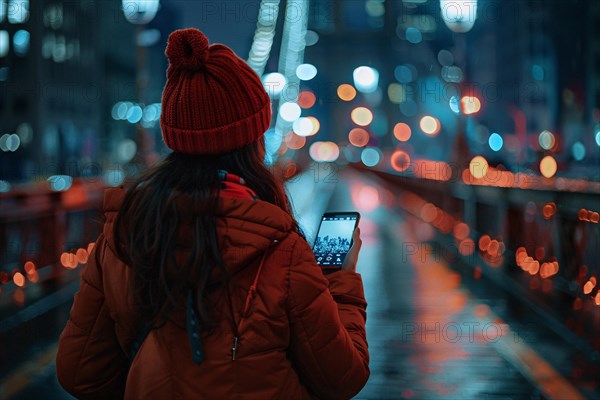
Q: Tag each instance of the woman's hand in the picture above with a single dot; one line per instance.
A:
(352, 256)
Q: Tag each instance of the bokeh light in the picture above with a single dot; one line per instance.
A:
(470, 105)
(274, 83)
(358, 137)
(396, 93)
(578, 151)
(445, 57)
(402, 132)
(400, 160)
(294, 141)
(366, 198)
(549, 210)
(405, 73)
(302, 126)
(290, 111)
(548, 166)
(21, 42)
(316, 125)
(413, 35)
(459, 15)
(478, 167)
(430, 125)
(324, 151)
(126, 150)
(306, 72)
(306, 99)
(546, 140)
(454, 104)
(370, 156)
(60, 183)
(346, 92)
(362, 116)
(366, 79)
(496, 142)
(19, 279)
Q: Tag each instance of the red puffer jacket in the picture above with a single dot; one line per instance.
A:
(303, 337)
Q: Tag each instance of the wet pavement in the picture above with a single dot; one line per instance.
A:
(432, 332)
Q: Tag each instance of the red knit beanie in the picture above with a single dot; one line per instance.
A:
(213, 102)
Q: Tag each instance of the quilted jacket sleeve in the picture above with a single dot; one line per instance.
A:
(90, 363)
(328, 315)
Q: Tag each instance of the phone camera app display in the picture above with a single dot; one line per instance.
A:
(333, 240)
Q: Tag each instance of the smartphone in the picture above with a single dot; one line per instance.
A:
(334, 238)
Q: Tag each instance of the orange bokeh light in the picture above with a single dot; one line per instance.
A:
(324, 151)
(461, 231)
(81, 255)
(470, 105)
(68, 260)
(400, 160)
(359, 137)
(548, 269)
(484, 242)
(306, 99)
(588, 287)
(534, 267)
(294, 141)
(429, 212)
(19, 279)
(549, 210)
(493, 247)
(548, 166)
(346, 92)
(402, 132)
(29, 267)
(478, 167)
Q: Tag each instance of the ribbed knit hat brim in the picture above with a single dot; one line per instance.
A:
(218, 140)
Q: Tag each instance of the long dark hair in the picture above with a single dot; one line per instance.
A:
(147, 224)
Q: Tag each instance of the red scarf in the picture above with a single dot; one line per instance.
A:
(234, 186)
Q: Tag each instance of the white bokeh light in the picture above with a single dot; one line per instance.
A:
(459, 15)
(274, 84)
(306, 72)
(303, 126)
(140, 11)
(290, 111)
(366, 79)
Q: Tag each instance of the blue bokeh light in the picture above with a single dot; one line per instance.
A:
(495, 141)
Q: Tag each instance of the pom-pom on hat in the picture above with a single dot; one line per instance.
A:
(213, 102)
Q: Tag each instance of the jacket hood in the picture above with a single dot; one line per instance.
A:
(245, 228)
